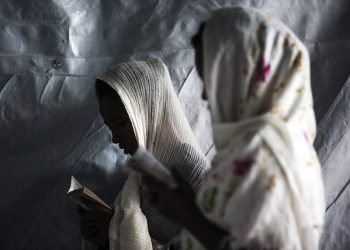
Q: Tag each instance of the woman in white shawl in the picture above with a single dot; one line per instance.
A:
(138, 103)
(265, 189)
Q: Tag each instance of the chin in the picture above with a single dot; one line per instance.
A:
(129, 151)
(125, 150)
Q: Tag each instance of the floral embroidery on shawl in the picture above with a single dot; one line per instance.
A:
(209, 199)
(263, 71)
(242, 167)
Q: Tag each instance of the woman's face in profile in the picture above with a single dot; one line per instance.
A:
(117, 120)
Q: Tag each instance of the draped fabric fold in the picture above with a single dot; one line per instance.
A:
(160, 125)
(265, 187)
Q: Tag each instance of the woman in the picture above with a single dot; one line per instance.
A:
(265, 189)
(138, 103)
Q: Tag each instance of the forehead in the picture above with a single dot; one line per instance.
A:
(111, 106)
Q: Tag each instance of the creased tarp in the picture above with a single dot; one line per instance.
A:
(50, 54)
(333, 144)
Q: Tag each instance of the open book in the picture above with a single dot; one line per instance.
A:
(145, 163)
(85, 198)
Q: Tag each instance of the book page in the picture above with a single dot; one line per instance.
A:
(85, 198)
(74, 185)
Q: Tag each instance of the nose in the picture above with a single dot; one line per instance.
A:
(115, 137)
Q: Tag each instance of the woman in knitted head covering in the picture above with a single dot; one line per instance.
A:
(149, 115)
(265, 188)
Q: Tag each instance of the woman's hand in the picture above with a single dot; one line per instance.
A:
(179, 205)
(94, 226)
(176, 204)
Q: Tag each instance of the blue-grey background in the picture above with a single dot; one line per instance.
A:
(52, 50)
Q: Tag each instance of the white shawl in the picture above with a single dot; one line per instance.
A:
(161, 127)
(265, 187)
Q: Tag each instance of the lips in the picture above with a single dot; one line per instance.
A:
(122, 147)
(126, 151)
(116, 141)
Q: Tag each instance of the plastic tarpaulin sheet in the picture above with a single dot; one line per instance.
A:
(52, 51)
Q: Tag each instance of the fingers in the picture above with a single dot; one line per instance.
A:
(101, 211)
(178, 176)
(90, 234)
(89, 224)
(182, 182)
(155, 191)
(151, 196)
(94, 227)
(152, 183)
(90, 220)
(90, 228)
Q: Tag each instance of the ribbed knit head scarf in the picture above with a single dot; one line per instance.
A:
(160, 125)
(265, 187)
